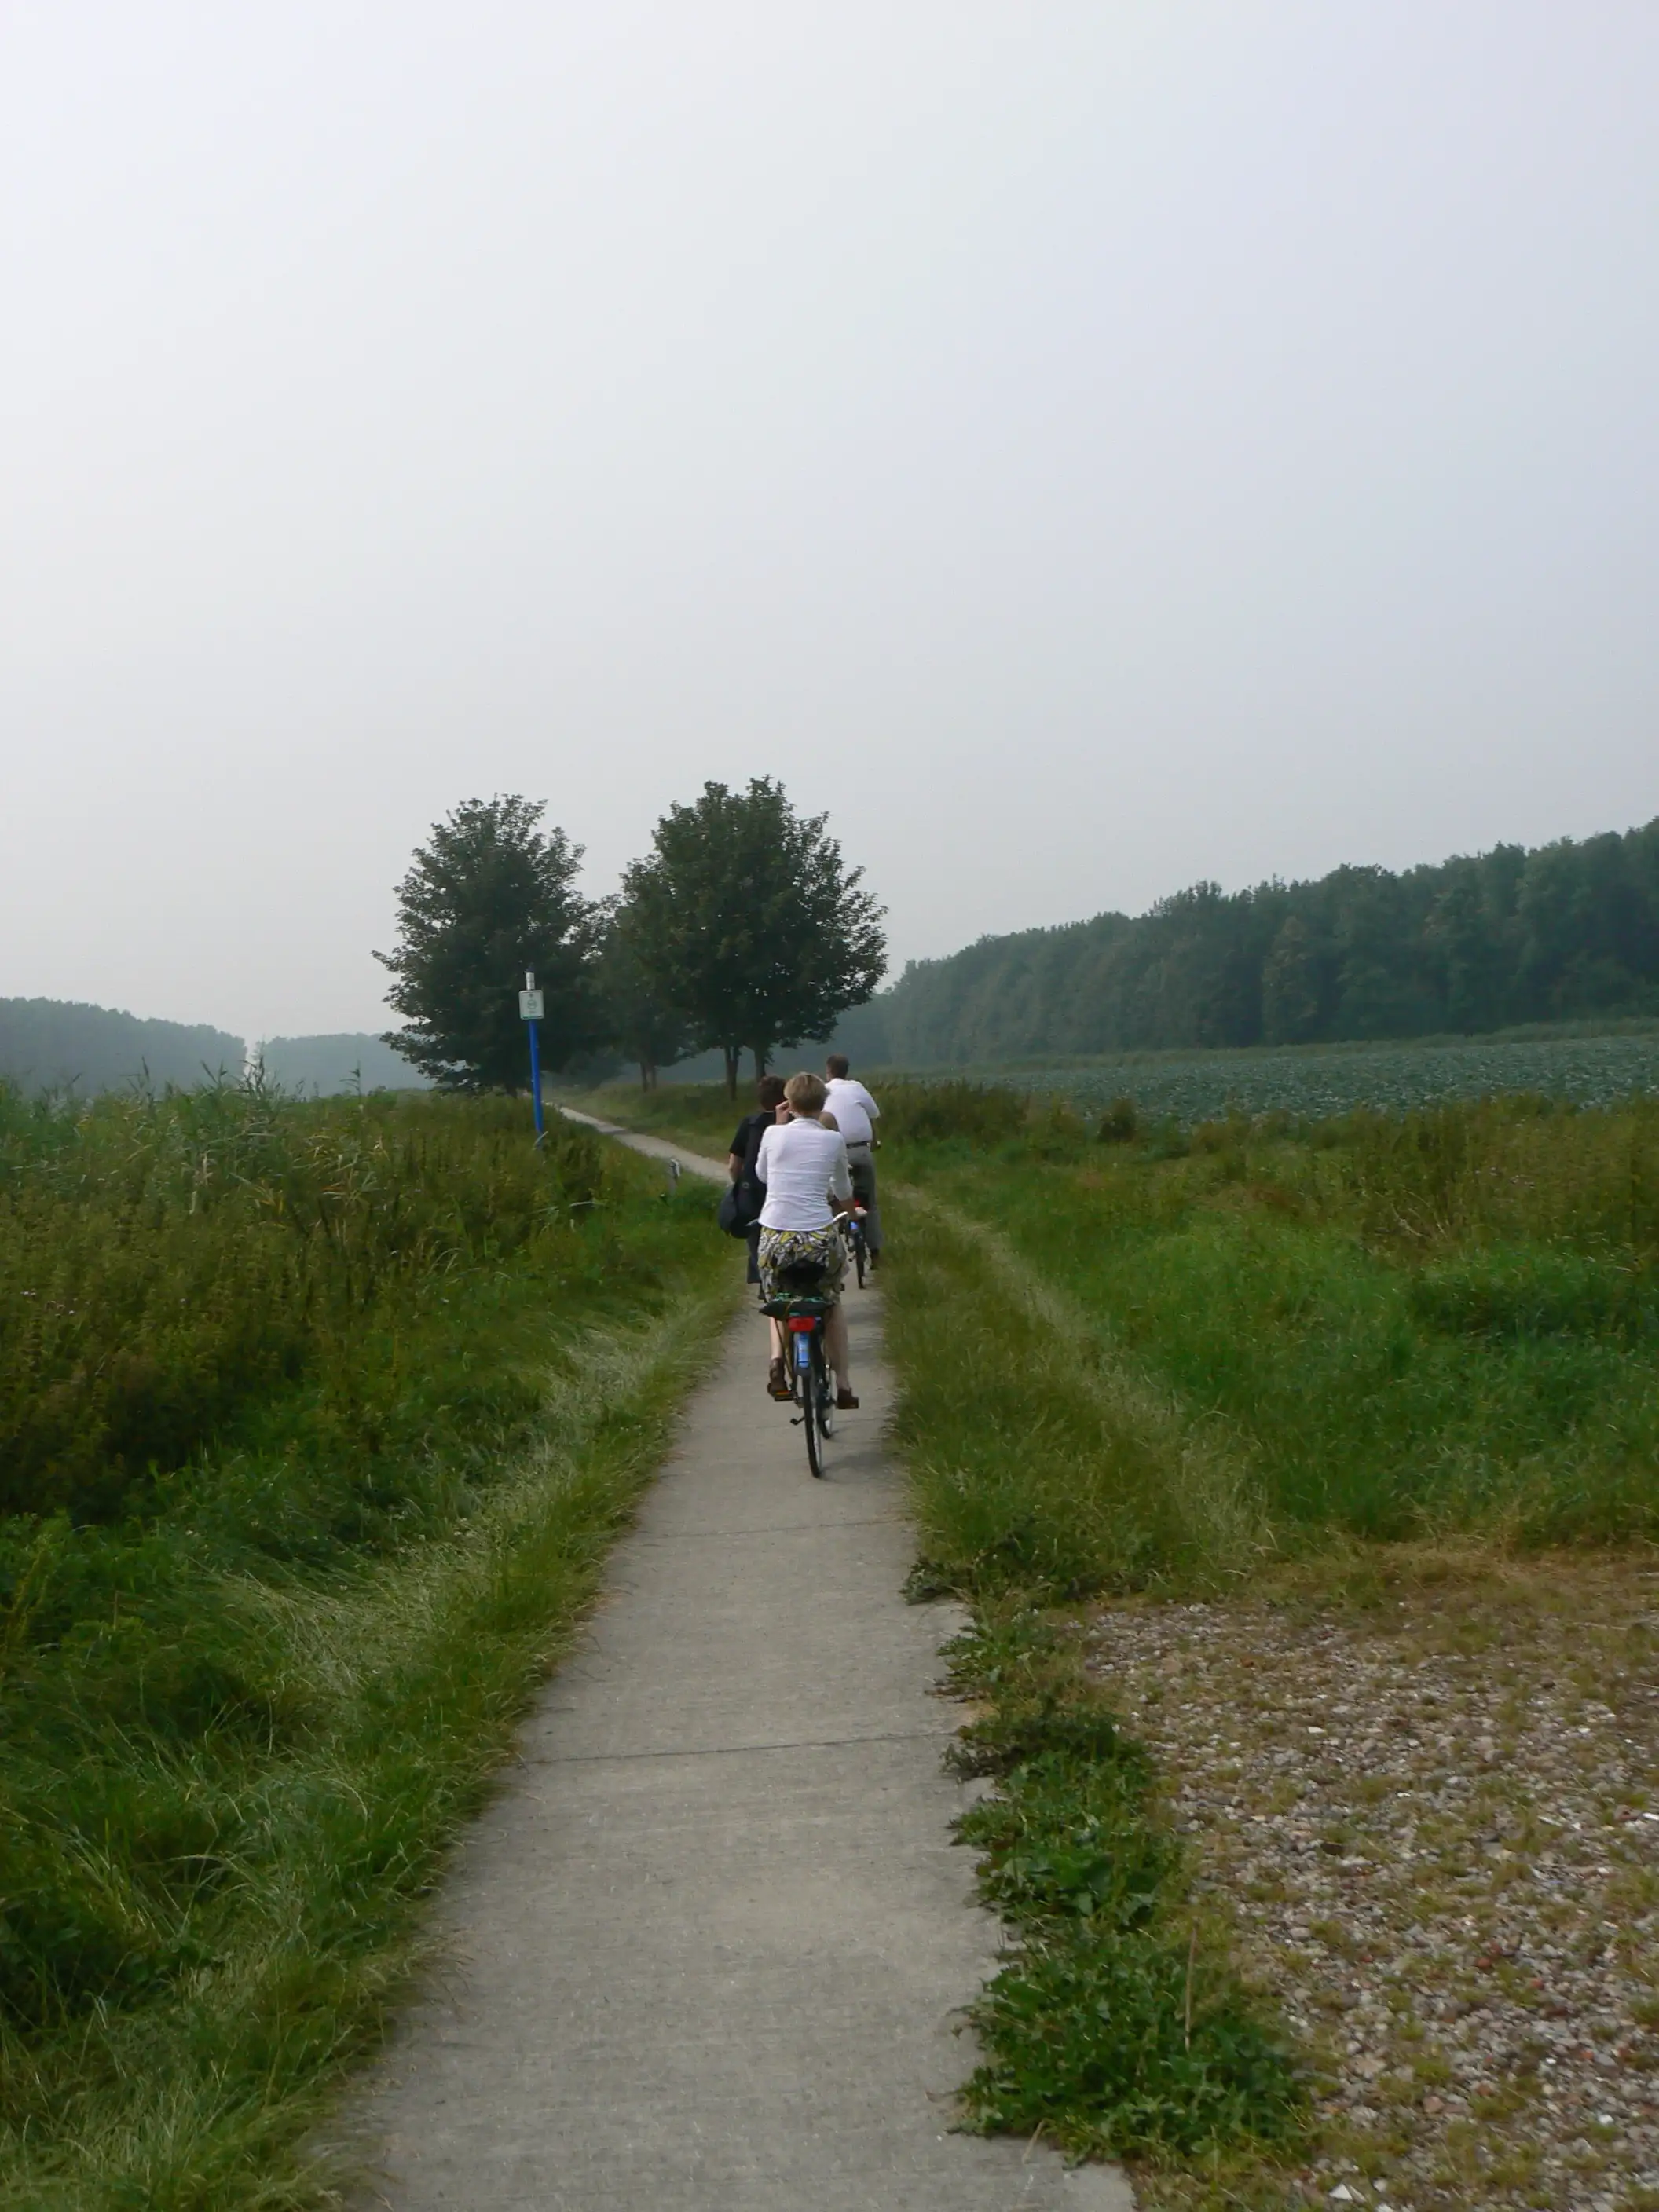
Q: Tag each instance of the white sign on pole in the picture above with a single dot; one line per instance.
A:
(530, 1006)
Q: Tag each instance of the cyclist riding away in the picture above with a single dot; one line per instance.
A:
(856, 1115)
(808, 1181)
(740, 1160)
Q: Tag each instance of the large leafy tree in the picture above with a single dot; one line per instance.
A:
(491, 895)
(638, 1020)
(744, 915)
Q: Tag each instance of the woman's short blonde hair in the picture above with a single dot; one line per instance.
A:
(806, 1093)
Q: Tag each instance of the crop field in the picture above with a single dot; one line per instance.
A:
(316, 1421)
(1311, 1082)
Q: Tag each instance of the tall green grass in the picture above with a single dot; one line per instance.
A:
(1372, 1327)
(268, 1618)
(166, 1264)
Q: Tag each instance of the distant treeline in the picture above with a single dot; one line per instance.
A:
(1567, 931)
(351, 1060)
(55, 1045)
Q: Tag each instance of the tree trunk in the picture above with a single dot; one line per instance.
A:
(762, 1054)
(733, 1053)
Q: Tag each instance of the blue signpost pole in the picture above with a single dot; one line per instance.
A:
(531, 1008)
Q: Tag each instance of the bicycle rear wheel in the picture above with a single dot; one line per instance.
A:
(813, 1406)
(826, 1388)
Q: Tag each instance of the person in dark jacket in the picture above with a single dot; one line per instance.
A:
(745, 1143)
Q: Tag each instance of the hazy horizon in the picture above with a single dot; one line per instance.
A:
(1085, 452)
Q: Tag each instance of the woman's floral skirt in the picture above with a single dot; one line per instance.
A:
(802, 1262)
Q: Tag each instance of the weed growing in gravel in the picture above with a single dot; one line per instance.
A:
(1118, 2026)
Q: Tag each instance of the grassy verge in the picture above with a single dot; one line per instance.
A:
(1042, 1470)
(1391, 1329)
(1261, 1367)
(699, 1115)
(263, 1665)
(1119, 2026)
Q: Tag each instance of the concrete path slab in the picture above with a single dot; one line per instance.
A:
(707, 1951)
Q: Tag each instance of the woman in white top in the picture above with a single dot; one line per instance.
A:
(804, 1167)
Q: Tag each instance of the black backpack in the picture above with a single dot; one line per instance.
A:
(740, 1205)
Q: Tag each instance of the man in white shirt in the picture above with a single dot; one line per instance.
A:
(856, 1115)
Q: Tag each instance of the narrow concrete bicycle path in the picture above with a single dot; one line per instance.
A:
(707, 1950)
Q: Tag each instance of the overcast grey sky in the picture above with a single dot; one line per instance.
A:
(1084, 447)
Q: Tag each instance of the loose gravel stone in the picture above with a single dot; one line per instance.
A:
(1435, 1821)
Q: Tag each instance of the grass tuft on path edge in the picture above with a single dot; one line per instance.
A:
(1118, 2026)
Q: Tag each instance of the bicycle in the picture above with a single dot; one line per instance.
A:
(810, 1387)
(858, 1243)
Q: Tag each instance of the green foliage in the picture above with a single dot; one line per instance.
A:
(744, 916)
(1158, 1364)
(1570, 930)
(638, 1021)
(969, 1115)
(491, 896)
(246, 1711)
(1536, 1291)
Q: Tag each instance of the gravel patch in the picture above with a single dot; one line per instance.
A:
(1435, 1823)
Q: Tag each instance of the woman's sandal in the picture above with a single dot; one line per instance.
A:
(846, 1402)
(777, 1382)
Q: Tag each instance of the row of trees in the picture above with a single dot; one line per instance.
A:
(741, 930)
(46, 1044)
(1567, 930)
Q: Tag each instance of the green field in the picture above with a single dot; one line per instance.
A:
(1286, 1358)
(1309, 1082)
(317, 1422)
(1314, 1081)
(1388, 1327)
